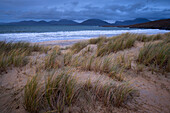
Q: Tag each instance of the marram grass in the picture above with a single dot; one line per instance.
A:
(77, 47)
(157, 55)
(15, 54)
(116, 43)
(32, 95)
(113, 67)
(62, 91)
(122, 42)
(52, 61)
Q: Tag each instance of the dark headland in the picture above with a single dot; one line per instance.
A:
(158, 24)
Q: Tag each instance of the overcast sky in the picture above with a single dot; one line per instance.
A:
(111, 10)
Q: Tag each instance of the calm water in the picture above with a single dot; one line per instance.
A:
(49, 33)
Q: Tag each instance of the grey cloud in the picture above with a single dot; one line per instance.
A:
(79, 10)
(75, 3)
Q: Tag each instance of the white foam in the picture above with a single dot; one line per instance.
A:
(68, 35)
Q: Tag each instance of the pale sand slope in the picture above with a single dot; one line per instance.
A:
(154, 88)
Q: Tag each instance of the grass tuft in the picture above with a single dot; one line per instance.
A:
(60, 91)
(32, 95)
(113, 67)
(77, 47)
(97, 40)
(121, 42)
(157, 55)
(15, 54)
(110, 93)
(52, 61)
(148, 38)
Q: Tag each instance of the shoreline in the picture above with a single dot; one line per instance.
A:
(61, 43)
(133, 26)
(69, 42)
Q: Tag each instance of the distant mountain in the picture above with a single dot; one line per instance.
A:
(158, 24)
(131, 22)
(63, 22)
(94, 22)
(53, 22)
(31, 22)
(139, 23)
(42, 22)
(89, 22)
(66, 22)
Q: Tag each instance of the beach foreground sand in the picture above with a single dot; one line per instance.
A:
(102, 75)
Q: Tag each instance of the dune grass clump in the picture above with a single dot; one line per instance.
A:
(14, 57)
(97, 40)
(109, 65)
(157, 37)
(52, 60)
(115, 44)
(166, 35)
(148, 38)
(61, 90)
(21, 45)
(122, 94)
(14, 54)
(56, 49)
(143, 38)
(67, 58)
(166, 40)
(157, 55)
(77, 47)
(32, 95)
(110, 93)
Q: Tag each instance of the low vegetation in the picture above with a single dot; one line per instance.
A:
(53, 60)
(15, 54)
(111, 65)
(156, 55)
(77, 47)
(114, 67)
(32, 95)
(113, 44)
(62, 91)
(57, 86)
(121, 42)
(97, 40)
(146, 38)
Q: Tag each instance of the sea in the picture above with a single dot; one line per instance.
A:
(50, 33)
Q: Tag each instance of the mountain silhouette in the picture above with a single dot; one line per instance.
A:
(136, 23)
(94, 22)
(131, 22)
(42, 22)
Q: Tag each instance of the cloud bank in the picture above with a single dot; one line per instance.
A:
(16, 10)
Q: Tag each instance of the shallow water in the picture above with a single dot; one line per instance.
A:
(49, 33)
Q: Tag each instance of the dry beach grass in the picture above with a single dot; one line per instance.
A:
(125, 73)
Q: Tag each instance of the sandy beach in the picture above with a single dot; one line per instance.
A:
(94, 72)
(84, 56)
(61, 43)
